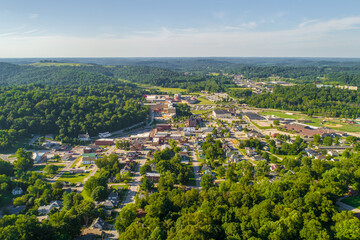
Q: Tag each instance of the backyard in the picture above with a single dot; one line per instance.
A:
(352, 201)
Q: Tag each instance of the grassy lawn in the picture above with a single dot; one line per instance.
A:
(125, 186)
(86, 196)
(242, 151)
(73, 178)
(201, 111)
(75, 162)
(6, 199)
(352, 201)
(171, 90)
(50, 64)
(316, 121)
(204, 101)
(258, 126)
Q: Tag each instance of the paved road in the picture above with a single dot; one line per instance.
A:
(347, 207)
(129, 198)
(135, 184)
(197, 168)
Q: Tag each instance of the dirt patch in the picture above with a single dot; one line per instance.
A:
(264, 123)
(335, 125)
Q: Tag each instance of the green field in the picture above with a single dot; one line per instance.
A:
(204, 101)
(352, 201)
(73, 178)
(201, 111)
(171, 90)
(260, 126)
(55, 64)
(316, 121)
(125, 186)
(86, 196)
(75, 162)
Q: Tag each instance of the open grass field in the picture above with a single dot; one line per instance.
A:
(316, 121)
(86, 196)
(73, 178)
(171, 90)
(125, 186)
(201, 111)
(352, 201)
(75, 162)
(55, 64)
(204, 101)
(260, 127)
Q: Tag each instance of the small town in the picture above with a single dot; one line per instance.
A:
(180, 120)
(209, 144)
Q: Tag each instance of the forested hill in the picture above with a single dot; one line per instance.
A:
(67, 111)
(85, 75)
(11, 74)
(328, 101)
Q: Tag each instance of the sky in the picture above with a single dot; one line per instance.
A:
(179, 28)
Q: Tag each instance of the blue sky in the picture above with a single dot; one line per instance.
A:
(197, 28)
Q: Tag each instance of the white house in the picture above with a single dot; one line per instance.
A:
(17, 191)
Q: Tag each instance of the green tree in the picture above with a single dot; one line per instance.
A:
(207, 181)
(328, 141)
(145, 169)
(126, 216)
(99, 193)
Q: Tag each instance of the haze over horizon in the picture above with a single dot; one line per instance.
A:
(212, 28)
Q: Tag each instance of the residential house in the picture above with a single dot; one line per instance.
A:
(273, 166)
(113, 196)
(209, 172)
(109, 204)
(311, 153)
(17, 191)
(184, 152)
(333, 153)
(98, 223)
(126, 169)
(153, 177)
(250, 151)
(47, 208)
(234, 158)
(206, 167)
(84, 137)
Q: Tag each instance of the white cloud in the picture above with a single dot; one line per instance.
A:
(33, 15)
(308, 39)
(249, 25)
